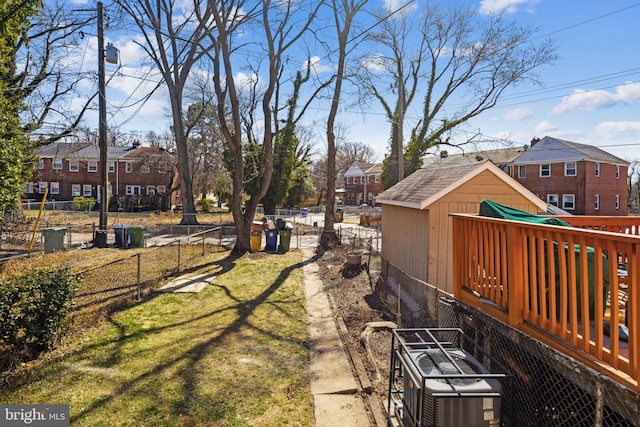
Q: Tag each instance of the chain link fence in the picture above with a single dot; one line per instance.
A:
(125, 282)
(549, 388)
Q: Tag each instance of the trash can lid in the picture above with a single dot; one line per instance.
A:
(55, 229)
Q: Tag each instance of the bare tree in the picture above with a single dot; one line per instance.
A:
(279, 25)
(41, 77)
(165, 140)
(344, 13)
(205, 146)
(174, 33)
(458, 56)
(349, 152)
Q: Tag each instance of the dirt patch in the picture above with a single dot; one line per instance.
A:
(352, 293)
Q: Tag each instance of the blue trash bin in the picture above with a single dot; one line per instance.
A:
(272, 240)
(305, 211)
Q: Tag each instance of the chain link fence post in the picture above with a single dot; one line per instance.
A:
(178, 256)
(138, 280)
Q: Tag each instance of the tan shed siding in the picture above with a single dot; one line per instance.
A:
(405, 239)
(464, 199)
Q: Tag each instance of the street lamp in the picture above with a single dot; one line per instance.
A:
(111, 57)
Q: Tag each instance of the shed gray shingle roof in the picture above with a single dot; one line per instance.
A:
(426, 182)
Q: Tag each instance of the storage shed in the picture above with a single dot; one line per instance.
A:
(416, 228)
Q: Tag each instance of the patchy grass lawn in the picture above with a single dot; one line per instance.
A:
(234, 354)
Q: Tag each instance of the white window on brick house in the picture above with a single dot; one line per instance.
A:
(570, 169)
(28, 188)
(362, 180)
(597, 169)
(92, 166)
(75, 190)
(163, 167)
(568, 202)
(368, 179)
(40, 164)
(57, 164)
(54, 187)
(74, 166)
(87, 190)
(42, 187)
(617, 172)
(545, 169)
(110, 190)
(145, 169)
(617, 201)
(111, 166)
(552, 199)
(377, 178)
(522, 171)
(597, 203)
(162, 189)
(151, 190)
(348, 180)
(128, 167)
(133, 190)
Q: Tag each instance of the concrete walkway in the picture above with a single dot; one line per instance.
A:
(333, 387)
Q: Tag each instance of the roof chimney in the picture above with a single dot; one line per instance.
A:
(535, 140)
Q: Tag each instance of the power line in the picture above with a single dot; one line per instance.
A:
(589, 20)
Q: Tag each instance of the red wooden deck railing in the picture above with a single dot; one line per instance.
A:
(561, 285)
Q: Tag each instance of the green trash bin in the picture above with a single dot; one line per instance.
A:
(136, 236)
(285, 240)
(53, 239)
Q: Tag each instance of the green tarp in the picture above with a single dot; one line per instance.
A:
(496, 210)
(492, 209)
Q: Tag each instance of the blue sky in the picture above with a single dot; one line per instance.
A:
(591, 94)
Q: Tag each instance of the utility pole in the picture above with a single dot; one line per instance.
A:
(400, 126)
(101, 241)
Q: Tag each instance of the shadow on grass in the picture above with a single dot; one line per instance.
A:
(243, 308)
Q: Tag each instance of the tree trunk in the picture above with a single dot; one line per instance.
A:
(329, 238)
(186, 186)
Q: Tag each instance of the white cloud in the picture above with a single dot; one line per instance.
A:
(546, 126)
(245, 81)
(488, 7)
(613, 130)
(375, 63)
(316, 65)
(594, 99)
(408, 6)
(130, 53)
(517, 114)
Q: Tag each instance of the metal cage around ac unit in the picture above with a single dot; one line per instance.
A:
(436, 381)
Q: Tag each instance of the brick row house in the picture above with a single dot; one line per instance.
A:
(362, 183)
(136, 175)
(580, 179)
